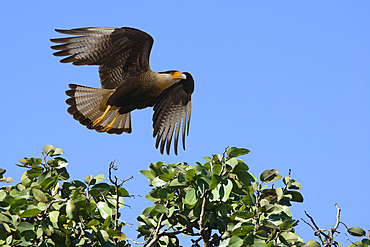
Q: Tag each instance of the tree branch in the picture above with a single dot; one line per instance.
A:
(129, 239)
(156, 236)
(202, 229)
(330, 236)
(53, 201)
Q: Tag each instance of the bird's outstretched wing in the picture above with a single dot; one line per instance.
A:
(121, 52)
(172, 107)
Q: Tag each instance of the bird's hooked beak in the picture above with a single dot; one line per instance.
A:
(179, 75)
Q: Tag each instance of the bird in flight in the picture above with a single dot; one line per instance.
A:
(127, 83)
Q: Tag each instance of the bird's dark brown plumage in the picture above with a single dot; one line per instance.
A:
(127, 83)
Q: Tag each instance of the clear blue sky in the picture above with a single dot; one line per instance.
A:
(289, 80)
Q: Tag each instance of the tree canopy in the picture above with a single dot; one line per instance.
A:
(218, 203)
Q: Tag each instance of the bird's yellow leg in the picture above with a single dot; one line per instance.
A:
(109, 126)
(101, 118)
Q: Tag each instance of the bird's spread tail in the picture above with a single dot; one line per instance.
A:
(87, 104)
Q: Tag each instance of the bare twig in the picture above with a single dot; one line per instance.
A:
(170, 234)
(313, 222)
(223, 154)
(156, 236)
(215, 239)
(195, 242)
(45, 164)
(350, 240)
(329, 236)
(211, 162)
(129, 224)
(117, 186)
(338, 215)
(286, 186)
(129, 239)
(53, 201)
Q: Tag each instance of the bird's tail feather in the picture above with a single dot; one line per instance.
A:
(87, 104)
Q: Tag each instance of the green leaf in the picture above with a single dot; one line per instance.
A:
(356, 231)
(235, 152)
(228, 187)
(144, 230)
(103, 236)
(149, 173)
(269, 224)
(245, 177)
(365, 242)
(63, 174)
(242, 229)
(158, 182)
(88, 179)
(57, 163)
(279, 193)
(164, 193)
(49, 182)
(93, 222)
(243, 214)
(241, 166)
(178, 182)
(2, 171)
(207, 158)
(30, 212)
(107, 223)
(311, 243)
(5, 218)
(98, 189)
(286, 180)
(191, 197)
(39, 195)
(215, 181)
(190, 174)
(104, 209)
(235, 241)
(35, 172)
(57, 151)
(54, 215)
(201, 185)
(290, 238)
(295, 186)
(99, 177)
(25, 226)
(123, 192)
(160, 208)
(70, 209)
(268, 208)
(116, 234)
(286, 225)
(296, 196)
(167, 176)
(217, 193)
(78, 242)
(270, 175)
(48, 149)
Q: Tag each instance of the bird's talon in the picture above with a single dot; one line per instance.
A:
(107, 127)
(98, 121)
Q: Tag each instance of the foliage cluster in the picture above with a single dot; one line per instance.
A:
(218, 203)
(38, 211)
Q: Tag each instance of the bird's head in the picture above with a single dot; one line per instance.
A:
(170, 77)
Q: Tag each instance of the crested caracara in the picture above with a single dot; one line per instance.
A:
(127, 83)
